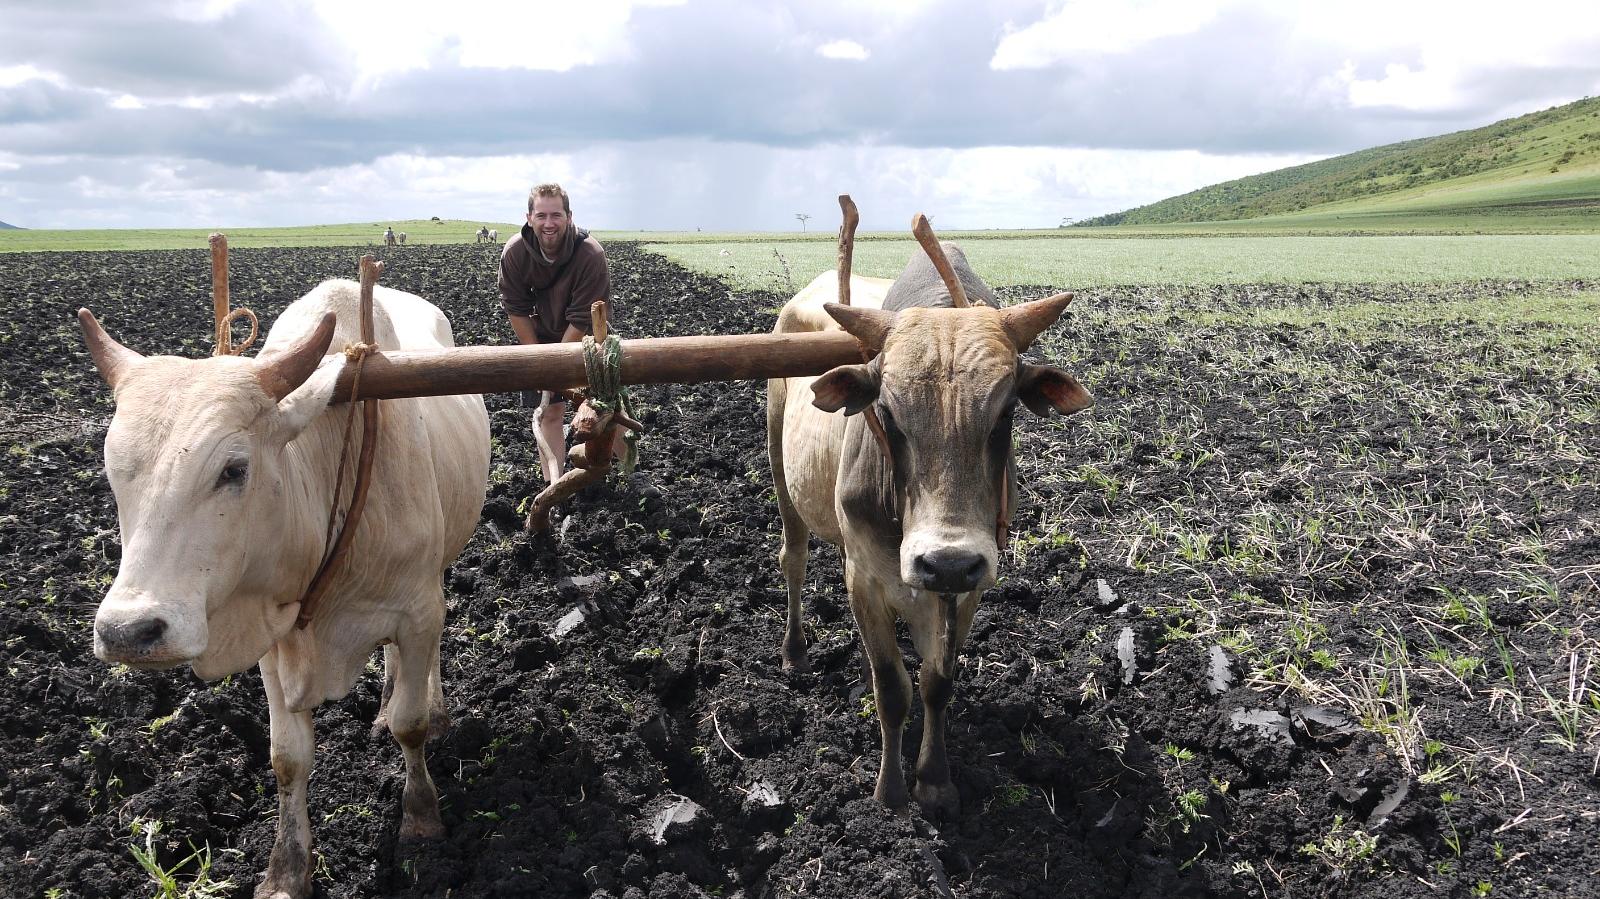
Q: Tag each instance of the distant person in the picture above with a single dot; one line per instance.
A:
(550, 273)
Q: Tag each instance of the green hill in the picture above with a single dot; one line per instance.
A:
(1536, 170)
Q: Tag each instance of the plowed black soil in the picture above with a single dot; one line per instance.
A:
(1084, 771)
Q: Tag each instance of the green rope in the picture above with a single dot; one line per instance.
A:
(602, 364)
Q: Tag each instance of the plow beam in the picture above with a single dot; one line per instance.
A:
(559, 366)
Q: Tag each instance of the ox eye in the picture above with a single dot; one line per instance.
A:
(1002, 425)
(234, 474)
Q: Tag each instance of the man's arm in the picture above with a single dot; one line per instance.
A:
(591, 282)
(523, 326)
(515, 297)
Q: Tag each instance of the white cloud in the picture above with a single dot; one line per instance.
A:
(204, 10)
(1434, 55)
(11, 76)
(1095, 27)
(843, 49)
(390, 36)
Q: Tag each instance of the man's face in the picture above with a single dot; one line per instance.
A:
(549, 221)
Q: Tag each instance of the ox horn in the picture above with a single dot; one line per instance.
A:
(869, 326)
(1026, 321)
(284, 370)
(111, 358)
(941, 263)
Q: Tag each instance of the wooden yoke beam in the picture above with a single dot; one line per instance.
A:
(559, 366)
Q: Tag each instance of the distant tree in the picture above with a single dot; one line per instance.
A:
(1066, 221)
(802, 217)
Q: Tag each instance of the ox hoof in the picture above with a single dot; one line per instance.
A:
(419, 819)
(794, 652)
(272, 888)
(893, 799)
(941, 802)
(421, 829)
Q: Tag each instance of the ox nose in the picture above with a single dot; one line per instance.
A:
(949, 570)
(130, 639)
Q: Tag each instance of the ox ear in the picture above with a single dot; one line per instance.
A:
(111, 358)
(281, 371)
(848, 387)
(1044, 389)
(1026, 321)
(870, 326)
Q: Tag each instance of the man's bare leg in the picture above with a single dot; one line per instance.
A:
(547, 433)
(548, 420)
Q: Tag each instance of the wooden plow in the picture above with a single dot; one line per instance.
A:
(560, 367)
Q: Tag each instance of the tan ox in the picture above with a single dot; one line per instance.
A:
(919, 535)
(224, 471)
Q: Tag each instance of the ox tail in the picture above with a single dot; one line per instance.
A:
(777, 399)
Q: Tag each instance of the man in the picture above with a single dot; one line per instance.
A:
(550, 273)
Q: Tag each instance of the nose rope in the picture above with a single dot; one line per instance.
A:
(882, 438)
(950, 601)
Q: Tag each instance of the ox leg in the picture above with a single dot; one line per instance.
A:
(794, 554)
(438, 715)
(411, 712)
(891, 687)
(293, 742)
(792, 560)
(937, 682)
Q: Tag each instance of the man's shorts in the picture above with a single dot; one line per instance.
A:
(538, 399)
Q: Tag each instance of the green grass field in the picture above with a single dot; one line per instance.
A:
(1535, 173)
(782, 265)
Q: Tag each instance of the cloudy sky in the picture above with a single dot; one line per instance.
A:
(730, 114)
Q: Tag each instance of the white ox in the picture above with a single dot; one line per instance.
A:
(224, 472)
(919, 536)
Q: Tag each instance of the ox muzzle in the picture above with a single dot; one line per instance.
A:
(949, 569)
(141, 633)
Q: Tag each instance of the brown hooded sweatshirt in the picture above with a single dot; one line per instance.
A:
(554, 294)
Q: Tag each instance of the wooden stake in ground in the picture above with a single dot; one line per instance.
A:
(847, 239)
(591, 459)
(221, 314)
(219, 295)
(930, 245)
